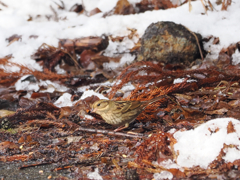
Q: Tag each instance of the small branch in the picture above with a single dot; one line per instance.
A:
(55, 14)
(33, 165)
(3, 4)
(199, 47)
(110, 133)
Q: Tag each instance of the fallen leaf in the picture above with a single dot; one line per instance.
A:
(4, 113)
(218, 111)
(4, 146)
(94, 11)
(230, 127)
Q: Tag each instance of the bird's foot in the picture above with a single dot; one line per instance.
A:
(121, 127)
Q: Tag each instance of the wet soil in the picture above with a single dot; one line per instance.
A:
(11, 171)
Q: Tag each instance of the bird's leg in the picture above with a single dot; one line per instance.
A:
(122, 127)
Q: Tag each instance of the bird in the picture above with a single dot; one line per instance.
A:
(119, 113)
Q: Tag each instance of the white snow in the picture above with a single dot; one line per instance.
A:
(236, 57)
(14, 20)
(163, 175)
(126, 59)
(23, 84)
(178, 80)
(88, 117)
(103, 5)
(50, 86)
(197, 147)
(95, 175)
(232, 154)
(86, 88)
(201, 146)
(169, 164)
(64, 100)
(90, 93)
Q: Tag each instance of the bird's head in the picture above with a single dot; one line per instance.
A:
(100, 106)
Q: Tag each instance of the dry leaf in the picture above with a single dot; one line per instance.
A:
(94, 11)
(230, 127)
(4, 113)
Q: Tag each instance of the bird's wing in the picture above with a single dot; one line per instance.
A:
(121, 106)
(146, 103)
(125, 106)
(132, 105)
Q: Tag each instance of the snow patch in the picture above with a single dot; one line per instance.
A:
(201, 146)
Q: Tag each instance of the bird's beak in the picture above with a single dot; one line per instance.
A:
(91, 108)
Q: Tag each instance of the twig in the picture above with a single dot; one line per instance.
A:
(60, 6)
(52, 47)
(90, 160)
(74, 60)
(189, 6)
(110, 133)
(3, 4)
(200, 50)
(55, 14)
(204, 6)
(62, 168)
(33, 165)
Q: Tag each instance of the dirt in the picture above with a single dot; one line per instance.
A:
(11, 171)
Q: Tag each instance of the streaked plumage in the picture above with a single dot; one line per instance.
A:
(120, 113)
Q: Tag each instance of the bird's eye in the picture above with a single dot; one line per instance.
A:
(98, 104)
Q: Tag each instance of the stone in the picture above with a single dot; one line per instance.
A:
(171, 43)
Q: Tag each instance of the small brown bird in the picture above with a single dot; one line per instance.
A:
(120, 113)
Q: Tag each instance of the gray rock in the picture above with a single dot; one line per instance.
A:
(171, 43)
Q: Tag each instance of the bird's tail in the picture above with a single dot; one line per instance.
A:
(154, 100)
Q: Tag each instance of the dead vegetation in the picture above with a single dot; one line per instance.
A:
(38, 130)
